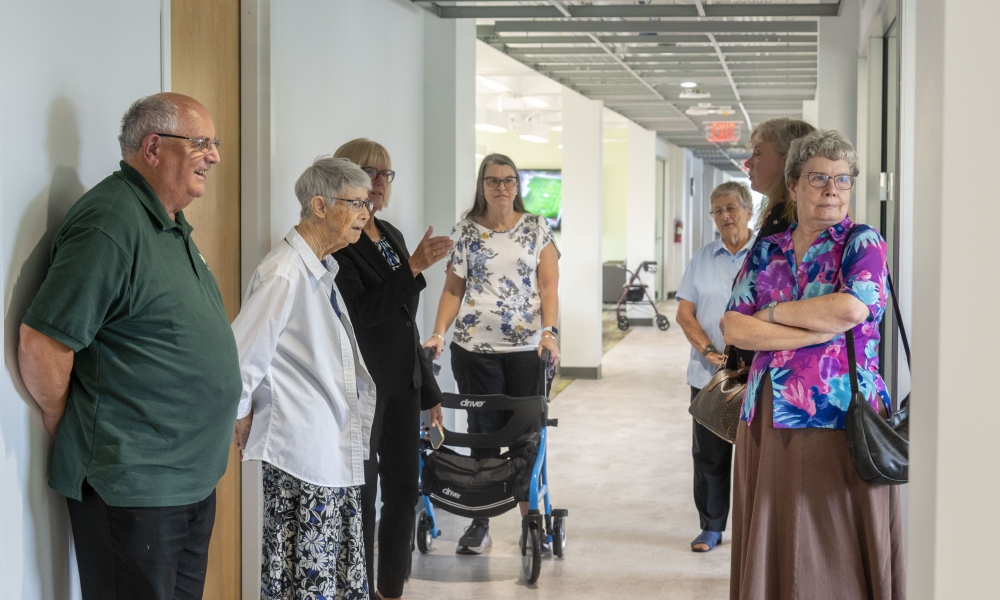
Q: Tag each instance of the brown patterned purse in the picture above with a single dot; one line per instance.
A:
(717, 406)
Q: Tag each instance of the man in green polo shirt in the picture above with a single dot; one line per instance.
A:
(128, 351)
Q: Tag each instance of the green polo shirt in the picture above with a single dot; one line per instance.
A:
(156, 379)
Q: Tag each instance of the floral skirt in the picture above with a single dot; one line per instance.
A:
(312, 546)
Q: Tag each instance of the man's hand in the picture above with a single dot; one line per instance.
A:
(429, 251)
(243, 431)
(716, 359)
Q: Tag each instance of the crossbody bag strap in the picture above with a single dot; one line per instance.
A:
(899, 321)
(852, 362)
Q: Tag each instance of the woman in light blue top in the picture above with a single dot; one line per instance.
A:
(704, 293)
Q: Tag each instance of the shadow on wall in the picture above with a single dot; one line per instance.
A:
(30, 261)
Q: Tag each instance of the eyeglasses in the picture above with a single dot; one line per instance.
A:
(203, 144)
(819, 180)
(729, 210)
(494, 182)
(356, 205)
(374, 173)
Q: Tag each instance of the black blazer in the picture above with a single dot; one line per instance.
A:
(383, 307)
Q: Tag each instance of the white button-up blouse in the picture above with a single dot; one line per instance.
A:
(312, 398)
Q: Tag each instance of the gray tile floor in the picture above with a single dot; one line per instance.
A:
(621, 463)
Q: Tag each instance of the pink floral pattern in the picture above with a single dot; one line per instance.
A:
(811, 385)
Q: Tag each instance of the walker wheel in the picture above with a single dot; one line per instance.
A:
(531, 555)
(425, 538)
(662, 322)
(558, 536)
(622, 322)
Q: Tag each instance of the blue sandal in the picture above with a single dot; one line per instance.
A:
(709, 538)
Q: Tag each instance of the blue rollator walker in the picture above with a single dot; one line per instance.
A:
(488, 487)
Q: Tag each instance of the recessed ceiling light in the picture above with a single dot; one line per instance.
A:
(689, 84)
(534, 102)
(492, 84)
(557, 128)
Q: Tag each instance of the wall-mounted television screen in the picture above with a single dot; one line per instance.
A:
(541, 191)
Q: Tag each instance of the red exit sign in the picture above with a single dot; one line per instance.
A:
(723, 132)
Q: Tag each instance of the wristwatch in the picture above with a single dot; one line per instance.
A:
(553, 330)
(770, 310)
(709, 349)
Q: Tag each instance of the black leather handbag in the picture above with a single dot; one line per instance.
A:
(880, 448)
(717, 406)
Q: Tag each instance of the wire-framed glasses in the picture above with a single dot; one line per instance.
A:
(203, 144)
(374, 173)
(357, 205)
(729, 210)
(494, 182)
(819, 180)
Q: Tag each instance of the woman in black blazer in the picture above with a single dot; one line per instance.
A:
(381, 282)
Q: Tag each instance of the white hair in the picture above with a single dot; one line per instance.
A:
(152, 114)
(328, 177)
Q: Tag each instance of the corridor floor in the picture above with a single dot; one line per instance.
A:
(621, 463)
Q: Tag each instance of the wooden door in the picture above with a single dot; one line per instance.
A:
(205, 64)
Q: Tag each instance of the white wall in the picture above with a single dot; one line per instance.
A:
(837, 68)
(333, 81)
(580, 268)
(953, 445)
(67, 73)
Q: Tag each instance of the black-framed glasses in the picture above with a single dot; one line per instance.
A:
(819, 180)
(494, 182)
(203, 144)
(357, 205)
(374, 173)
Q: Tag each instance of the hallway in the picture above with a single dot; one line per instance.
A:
(621, 464)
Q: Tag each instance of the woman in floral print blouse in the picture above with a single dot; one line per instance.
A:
(804, 524)
(501, 293)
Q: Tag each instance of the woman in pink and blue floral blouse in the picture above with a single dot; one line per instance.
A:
(804, 524)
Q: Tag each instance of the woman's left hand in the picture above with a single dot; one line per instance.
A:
(437, 416)
(549, 343)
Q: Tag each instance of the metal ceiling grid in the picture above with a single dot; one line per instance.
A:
(750, 61)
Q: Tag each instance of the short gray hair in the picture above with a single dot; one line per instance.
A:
(733, 188)
(152, 114)
(328, 177)
(827, 143)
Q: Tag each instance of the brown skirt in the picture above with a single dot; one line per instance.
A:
(805, 526)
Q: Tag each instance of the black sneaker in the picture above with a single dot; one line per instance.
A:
(476, 538)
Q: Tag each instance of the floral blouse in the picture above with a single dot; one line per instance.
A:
(502, 309)
(811, 385)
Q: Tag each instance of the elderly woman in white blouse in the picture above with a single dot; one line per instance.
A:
(308, 400)
(502, 294)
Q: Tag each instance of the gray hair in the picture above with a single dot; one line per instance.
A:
(152, 114)
(827, 143)
(733, 188)
(328, 177)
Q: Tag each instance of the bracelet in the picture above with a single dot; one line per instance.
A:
(438, 335)
(550, 333)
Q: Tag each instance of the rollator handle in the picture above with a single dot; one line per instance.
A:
(552, 423)
(435, 367)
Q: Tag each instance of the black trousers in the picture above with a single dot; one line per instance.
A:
(393, 461)
(713, 467)
(515, 374)
(155, 553)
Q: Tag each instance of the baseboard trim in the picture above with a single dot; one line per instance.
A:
(580, 372)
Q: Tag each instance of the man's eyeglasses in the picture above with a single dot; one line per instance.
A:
(203, 144)
(819, 180)
(374, 173)
(494, 182)
(356, 205)
(729, 210)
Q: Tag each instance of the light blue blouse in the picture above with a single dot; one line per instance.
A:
(708, 283)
